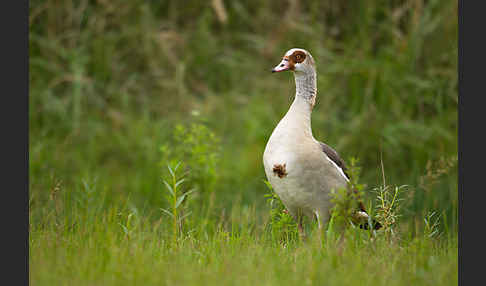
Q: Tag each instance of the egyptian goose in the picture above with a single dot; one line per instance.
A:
(302, 170)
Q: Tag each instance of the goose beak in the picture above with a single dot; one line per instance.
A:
(282, 66)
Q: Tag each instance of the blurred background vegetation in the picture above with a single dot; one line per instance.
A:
(118, 89)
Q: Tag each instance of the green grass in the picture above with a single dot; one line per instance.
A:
(121, 89)
(105, 249)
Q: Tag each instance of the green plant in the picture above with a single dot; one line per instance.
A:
(175, 198)
(128, 227)
(388, 207)
(431, 222)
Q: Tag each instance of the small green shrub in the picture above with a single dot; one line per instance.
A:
(388, 207)
(199, 148)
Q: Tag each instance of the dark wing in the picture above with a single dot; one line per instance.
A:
(334, 156)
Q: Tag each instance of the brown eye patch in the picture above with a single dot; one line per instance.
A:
(297, 56)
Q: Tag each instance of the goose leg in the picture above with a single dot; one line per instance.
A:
(298, 217)
(320, 224)
(301, 228)
(318, 218)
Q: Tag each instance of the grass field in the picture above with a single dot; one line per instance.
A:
(120, 90)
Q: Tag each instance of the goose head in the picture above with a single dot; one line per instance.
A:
(301, 63)
(297, 60)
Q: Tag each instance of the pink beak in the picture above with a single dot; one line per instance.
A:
(282, 66)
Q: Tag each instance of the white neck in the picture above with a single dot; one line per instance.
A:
(298, 117)
(306, 85)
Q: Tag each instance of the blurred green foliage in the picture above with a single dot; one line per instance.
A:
(111, 81)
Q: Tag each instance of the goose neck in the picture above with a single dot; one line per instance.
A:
(306, 85)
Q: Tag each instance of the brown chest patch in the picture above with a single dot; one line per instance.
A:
(279, 170)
